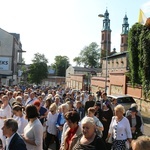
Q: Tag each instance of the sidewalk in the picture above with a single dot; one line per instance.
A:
(146, 118)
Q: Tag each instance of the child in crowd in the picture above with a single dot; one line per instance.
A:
(99, 125)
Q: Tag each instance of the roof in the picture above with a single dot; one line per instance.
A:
(117, 54)
(17, 36)
(87, 69)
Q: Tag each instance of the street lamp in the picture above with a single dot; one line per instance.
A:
(103, 16)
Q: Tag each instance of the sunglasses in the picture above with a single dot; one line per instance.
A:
(51, 110)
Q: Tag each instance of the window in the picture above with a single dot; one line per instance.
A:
(122, 40)
(103, 37)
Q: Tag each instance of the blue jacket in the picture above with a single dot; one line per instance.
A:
(17, 143)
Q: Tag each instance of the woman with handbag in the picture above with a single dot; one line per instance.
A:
(119, 129)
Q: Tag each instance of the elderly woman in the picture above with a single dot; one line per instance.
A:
(61, 120)
(51, 131)
(72, 132)
(135, 123)
(128, 113)
(89, 140)
(119, 129)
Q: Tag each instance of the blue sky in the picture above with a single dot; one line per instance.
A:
(65, 27)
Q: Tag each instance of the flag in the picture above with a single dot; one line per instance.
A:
(142, 18)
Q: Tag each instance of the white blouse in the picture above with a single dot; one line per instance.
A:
(120, 130)
(22, 122)
(51, 123)
(34, 131)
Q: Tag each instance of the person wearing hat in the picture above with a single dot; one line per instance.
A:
(128, 112)
(135, 123)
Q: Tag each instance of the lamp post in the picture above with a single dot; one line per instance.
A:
(102, 16)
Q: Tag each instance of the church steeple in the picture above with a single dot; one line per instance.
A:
(124, 34)
(106, 34)
(106, 21)
(125, 25)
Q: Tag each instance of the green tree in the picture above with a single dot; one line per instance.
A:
(38, 70)
(60, 65)
(139, 52)
(89, 56)
(77, 60)
(144, 45)
(134, 53)
(39, 58)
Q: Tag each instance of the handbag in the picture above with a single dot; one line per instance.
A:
(99, 133)
(127, 145)
(137, 134)
(110, 139)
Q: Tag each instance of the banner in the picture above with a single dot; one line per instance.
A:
(4, 63)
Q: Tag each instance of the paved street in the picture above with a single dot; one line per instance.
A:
(146, 120)
(147, 129)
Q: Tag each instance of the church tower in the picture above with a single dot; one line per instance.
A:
(106, 35)
(124, 35)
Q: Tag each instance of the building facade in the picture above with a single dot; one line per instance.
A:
(10, 58)
(80, 77)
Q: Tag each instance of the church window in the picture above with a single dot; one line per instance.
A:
(103, 37)
(122, 40)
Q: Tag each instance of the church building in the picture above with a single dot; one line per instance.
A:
(114, 61)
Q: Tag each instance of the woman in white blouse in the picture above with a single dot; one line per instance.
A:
(5, 112)
(33, 132)
(51, 130)
(20, 118)
(119, 129)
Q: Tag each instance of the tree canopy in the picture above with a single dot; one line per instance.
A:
(89, 56)
(39, 58)
(139, 52)
(38, 70)
(60, 65)
(134, 53)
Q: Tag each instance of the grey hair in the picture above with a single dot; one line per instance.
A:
(86, 120)
(11, 123)
(19, 98)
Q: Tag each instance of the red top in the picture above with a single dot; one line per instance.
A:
(71, 133)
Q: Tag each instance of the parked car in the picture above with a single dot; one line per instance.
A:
(124, 100)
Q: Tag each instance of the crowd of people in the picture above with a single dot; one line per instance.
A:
(73, 119)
